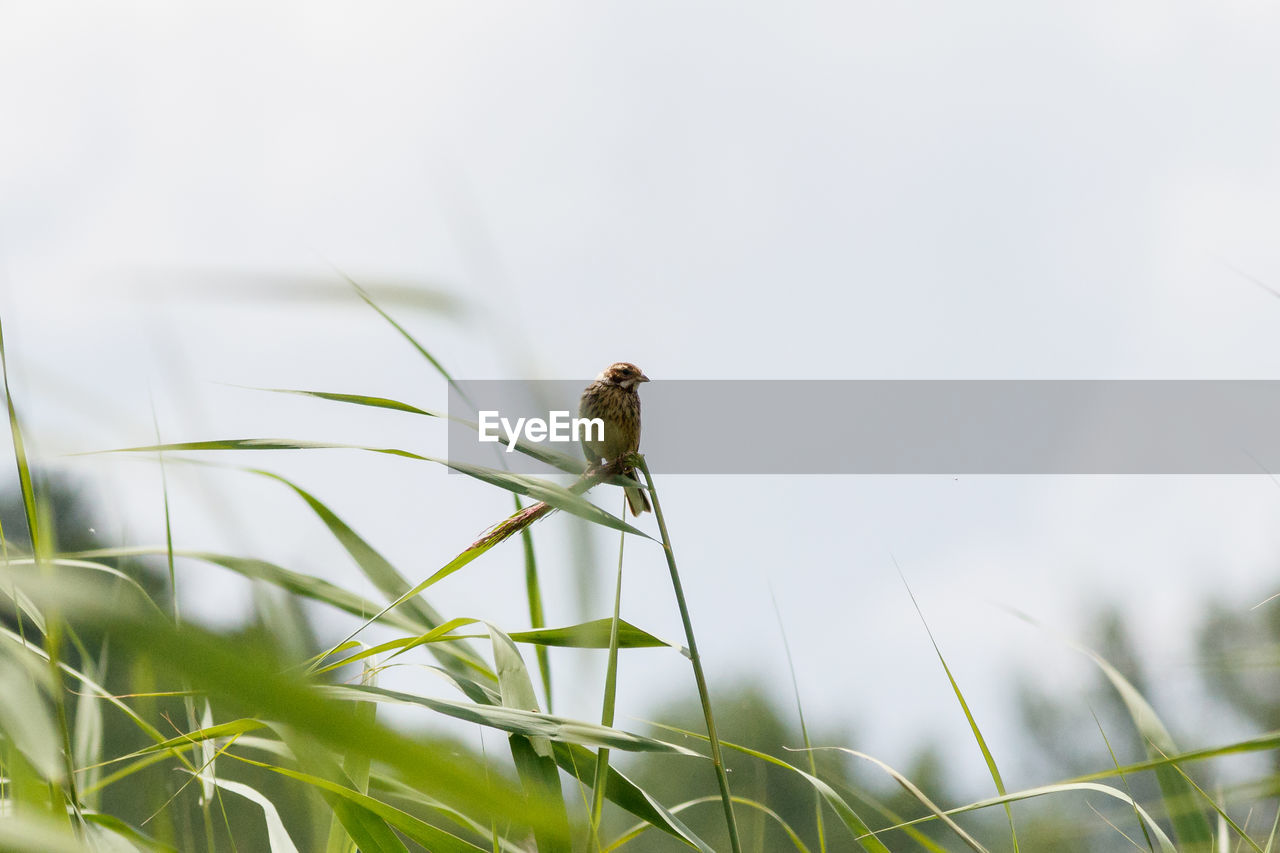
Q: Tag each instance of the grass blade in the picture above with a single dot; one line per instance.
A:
(277, 836)
(804, 730)
(532, 752)
(855, 824)
(622, 792)
(1190, 824)
(433, 838)
(363, 294)
(1166, 845)
(42, 547)
(563, 461)
(964, 706)
(306, 586)
(533, 594)
(595, 635)
(373, 565)
(24, 716)
(640, 828)
(552, 494)
(704, 696)
(607, 711)
(531, 724)
(920, 796)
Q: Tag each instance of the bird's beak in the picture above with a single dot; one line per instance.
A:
(642, 378)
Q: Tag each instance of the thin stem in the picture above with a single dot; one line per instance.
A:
(41, 549)
(188, 700)
(804, 730)
(610, 696)
(703, 694)
(533, 593)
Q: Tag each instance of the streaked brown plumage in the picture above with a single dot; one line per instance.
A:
(613, 399)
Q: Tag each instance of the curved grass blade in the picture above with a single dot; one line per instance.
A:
(231, 729)
(42, 546)
(622, 792)
(552, 494)
(363, 294)
(89, 734)
(72, 561)
(373, 565)
(1166, 845)
(920, 796)
(640, 828)
(595, 635)
(1261, 743)
(353, 399)
(449, 568)
(277, 836)
(1124, 780)
(533, 595)
(1224, 820)
(1189, 823)
(355, 824)
(608, 705)
(393, 787)
(25, 717)
(563, 461)
(861, 796)
(531, 724)
(964, 706)
(861, 832)
(541, 781)
(804, 730)
(323, 591)
(457, 563)
(115, 825)
(699, 677)
(433, 838)
(26, 487)
(256, 285)
(24, 606)
(441, 634)
(307, 586)
(358, 829)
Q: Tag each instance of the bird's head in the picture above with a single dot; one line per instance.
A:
(623, 374)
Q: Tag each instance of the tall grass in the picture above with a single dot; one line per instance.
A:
(123, 726)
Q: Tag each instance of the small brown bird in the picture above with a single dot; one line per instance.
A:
(613, 399)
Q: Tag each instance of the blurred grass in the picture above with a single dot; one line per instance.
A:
(101, 746)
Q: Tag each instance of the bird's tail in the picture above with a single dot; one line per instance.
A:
(636, 498)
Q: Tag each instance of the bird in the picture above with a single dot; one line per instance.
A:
(613, 398)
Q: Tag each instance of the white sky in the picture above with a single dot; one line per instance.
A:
(801, 190)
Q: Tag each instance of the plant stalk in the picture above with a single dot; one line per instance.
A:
(722, 777)
(533, 592)
(610, 697)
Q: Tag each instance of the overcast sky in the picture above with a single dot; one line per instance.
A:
(800, 190)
